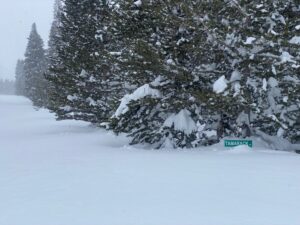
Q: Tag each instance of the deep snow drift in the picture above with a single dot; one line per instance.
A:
(69, 173)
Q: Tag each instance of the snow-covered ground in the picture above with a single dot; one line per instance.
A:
(69, 173)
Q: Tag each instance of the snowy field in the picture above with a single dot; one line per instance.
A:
(69, 173)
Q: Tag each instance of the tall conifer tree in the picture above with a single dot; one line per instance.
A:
(34, 69)
(82, 68)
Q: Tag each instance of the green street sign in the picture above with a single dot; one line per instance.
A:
(234, 143)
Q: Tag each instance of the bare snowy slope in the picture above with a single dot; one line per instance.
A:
(68, 173)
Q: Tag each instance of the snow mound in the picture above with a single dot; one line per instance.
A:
(277, 143)
(220, 85)
(182, 122)
(240, 149)
(139, 93)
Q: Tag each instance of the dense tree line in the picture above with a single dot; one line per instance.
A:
(172, 72)
(7, 87)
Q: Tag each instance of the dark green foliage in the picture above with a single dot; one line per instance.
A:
(82, 67)
(171, 44)
(189, 45)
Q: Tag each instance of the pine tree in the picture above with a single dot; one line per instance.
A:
(54, 31)
(165, 51)
(267, 63)
(104, 86)
(20, 79)
(186, 47)
(168, 58)
(55, 92)
(34, 68)
(257, 42)
(82, 67)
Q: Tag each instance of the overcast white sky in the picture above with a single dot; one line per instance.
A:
(16, 18)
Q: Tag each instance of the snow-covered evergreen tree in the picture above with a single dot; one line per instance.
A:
(223, 67)
(266, 61)
(34, 69)
(192, 71)
(82, 67)
(168, 48)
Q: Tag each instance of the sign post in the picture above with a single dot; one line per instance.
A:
(234, 143)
